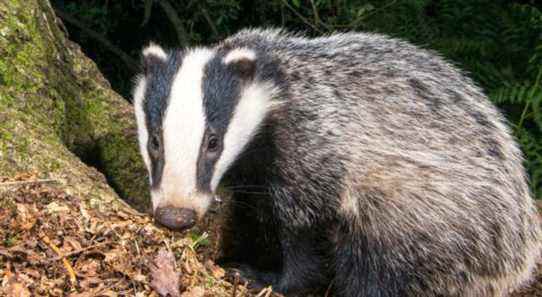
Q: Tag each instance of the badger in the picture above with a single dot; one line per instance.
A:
(383, 169)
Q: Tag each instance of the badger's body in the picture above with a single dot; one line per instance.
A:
(386, 171)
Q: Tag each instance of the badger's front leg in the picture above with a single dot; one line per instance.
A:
(303, 261)
(302, 266)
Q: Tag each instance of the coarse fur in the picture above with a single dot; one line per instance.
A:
(378, 166)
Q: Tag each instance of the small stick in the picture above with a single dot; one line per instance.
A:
(235, 284)
(260, 294)
(328, 289)
(73, 253)
(314, 27)
(137, 248)
(28, 182)
(67, 265)
(265, 292)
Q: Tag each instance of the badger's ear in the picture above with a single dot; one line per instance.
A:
(243, 61)
(153, 56)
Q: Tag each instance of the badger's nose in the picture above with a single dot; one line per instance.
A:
(174, 218)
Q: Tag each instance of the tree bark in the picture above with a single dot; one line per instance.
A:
(58, 115)
(68, 150)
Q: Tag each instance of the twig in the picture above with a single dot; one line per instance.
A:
(28, 182)
(370, 14)
(128, 61)
(67, 265)
(328, 289)
(137, 248)
(147, 11)
(209, 20)
(235, 285)
(317, 19)
(265, 292)
(315, 12)
(73, 253)
(174, 18)
(285, 2)
(100, 289)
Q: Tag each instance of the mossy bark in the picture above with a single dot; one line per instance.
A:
(60, 122)
(58, 114)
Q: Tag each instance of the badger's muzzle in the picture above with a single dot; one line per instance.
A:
(175, 218)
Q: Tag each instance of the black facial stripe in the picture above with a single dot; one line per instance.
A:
(221, 92)
(159, 77)
(157, 166)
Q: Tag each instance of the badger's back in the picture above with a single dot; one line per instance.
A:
(412, 155)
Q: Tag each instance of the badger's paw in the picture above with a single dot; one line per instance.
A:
(246, 275)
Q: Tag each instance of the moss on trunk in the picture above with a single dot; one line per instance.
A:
(57, 110)
(60, 121)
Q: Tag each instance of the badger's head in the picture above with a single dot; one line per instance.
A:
(196, 110)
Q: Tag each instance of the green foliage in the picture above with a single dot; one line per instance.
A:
(498, 42)
(199, 240)
(532, 147)
(500, 45)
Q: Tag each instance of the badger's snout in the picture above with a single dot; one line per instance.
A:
(175, 218)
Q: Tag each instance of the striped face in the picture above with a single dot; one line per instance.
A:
(196, 110)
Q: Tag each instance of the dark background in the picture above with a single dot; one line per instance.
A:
(498, 42)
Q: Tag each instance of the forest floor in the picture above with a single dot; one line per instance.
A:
(53, 244)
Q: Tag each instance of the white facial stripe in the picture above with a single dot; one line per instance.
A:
(199, 202)
(249, 113)
(183, 128)
(155, 50)
(239, 54)
(139, 96)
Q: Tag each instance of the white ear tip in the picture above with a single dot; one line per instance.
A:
(154, 50)
(240, 54)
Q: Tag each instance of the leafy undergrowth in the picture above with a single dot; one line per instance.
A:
(56, 244)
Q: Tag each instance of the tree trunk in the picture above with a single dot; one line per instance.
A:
(68, 150)
(57, 112)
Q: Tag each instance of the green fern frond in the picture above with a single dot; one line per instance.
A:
(521, 93)
(463, 46)
(532, 149)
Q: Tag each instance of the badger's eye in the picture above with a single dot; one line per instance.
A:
(212, 143)
(154, 143)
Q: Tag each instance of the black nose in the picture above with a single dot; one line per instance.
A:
(174, 218)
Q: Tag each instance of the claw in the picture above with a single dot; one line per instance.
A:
(246, 276)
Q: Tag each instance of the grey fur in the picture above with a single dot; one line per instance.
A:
(399, 159)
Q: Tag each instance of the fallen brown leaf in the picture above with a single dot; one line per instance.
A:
(14, 288)
(165, 278)
(26, 219)
(194, 292)
(216, 271)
